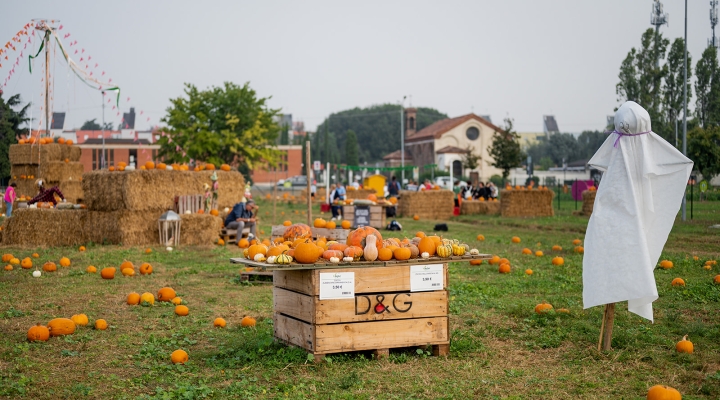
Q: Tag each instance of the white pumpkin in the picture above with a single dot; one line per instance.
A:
(169, 248)
(259, 257)
(334, 260)
(348, 259)
(36, 274)
(474, 252)
(425, 254)
(270, 260)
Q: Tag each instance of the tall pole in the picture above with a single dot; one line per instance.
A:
(47, 82)
(102, 158)
(307, 172)
(684, 201)
(402, 141)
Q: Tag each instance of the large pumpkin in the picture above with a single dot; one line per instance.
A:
(61, 326)
(38, 333)
(297, 231)
(306, 253)
(357, 237)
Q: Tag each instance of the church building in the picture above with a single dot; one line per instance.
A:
(446, 142)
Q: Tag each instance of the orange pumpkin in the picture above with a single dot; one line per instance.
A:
(416, 217)
(319, 223)
(166, 294)
(504, 268)
(49, 267)
(182, 310)
(402, 253)
(247, 322)
(427, 245)
(372, 197)
(243, 243)
(353, 251)
(61, 326)
(527, 251)
(133, 299)
(108, 273)
(297, 231)
(306, 253)
(345, 224)
(26, 263)
(179, 357)
(91, 269)
(357, 237)
(64, 262)
(338, 246)
(662, 392)
(225, 167)
(385, 254)
(38, 333)
(126, 264)
(543, 308)
(559, 261)
(476, 262)
(145, 269)
(327, 254)
(330, 225)
(149, 165)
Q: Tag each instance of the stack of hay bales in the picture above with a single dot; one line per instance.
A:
(124, 206)
(473, 207)
(358, 194)
(526, 203)
(57, 164)
(588, 197)
(45, 227)
(427, 204)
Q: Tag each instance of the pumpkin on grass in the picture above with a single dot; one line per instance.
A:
(7, 257)
(177, 301)
(166, 294)
(559, 261)
(528, 271)
(38, 333)
(133, 299)
(34, 255)
(182, 310)
(26, 263)
(145, 269)
(666, 264)
(8, 267)
(64, 262)
(476, 262)
(527, 251)
(684, 346)
(61, 326)
(247, 322)
(101, 324)
(504, 269)
(91, 269)
(179, 357)
(107, 273)
(494, 260)
(147, 299)
(128, 272)
(80, 319)
(662, 392)
(219, 323)
(49, 267)
(543, 308)
(14, 261)
(678, 282)
(126, 264)
(515, 239)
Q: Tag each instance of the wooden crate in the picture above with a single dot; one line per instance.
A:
(377, 216)
(323, 327)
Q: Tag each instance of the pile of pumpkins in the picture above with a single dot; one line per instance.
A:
(362, 244)
(62, 327)
(27, 263)
(46, 140)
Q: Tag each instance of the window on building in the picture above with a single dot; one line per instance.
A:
(457, 169)
(94, 159)
(472, 133)
(411, 123)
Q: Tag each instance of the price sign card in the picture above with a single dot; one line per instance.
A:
(337, 285)
(425, 278)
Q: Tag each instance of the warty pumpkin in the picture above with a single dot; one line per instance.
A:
(297, 231)
(166, 294)
(38, 333)
(61, 326)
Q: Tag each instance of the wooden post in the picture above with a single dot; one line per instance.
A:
(606, 328)
(307, 173)
(274, 197)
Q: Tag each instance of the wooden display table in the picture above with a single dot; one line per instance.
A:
(372, 305)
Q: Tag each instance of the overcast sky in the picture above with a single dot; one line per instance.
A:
(524, 59)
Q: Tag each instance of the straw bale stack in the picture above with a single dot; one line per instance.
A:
(474, 207)
(155, 190)
(359, 193)
(30, 227)
(428, 204)
(40, 154)
(199, 229)
(129, 228)
(588, 197)
(526, 203)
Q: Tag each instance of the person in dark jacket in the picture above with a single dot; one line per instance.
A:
(242, 216)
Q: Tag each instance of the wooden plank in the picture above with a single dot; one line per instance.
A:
(402, 305)
(357, 264)
(278, 230)
(380, 334)
(367, 280)
(293, 331)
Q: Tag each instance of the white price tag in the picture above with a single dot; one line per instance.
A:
(337, 285)
(425, 278)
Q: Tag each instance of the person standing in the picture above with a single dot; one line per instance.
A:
(393, 187)
(313, 189)
(10, 197)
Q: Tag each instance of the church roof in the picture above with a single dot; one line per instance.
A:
(436, 130)
(395, 155)
(451, 150)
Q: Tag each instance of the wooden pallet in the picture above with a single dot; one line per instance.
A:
(406, 319)
(259, 276)
(230, 235)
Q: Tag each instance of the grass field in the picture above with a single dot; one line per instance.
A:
(500, 348)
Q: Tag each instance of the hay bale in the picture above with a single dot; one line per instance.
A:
(39, 154)
(59, 171)
(199, 229)
(475, 207)
(526, 203)
(588, 197)
(129, 228)
(17, 171)
(32, 227)
(72, 190)
(359, 193)
(155, 190)
(427, 204)
(25, 187)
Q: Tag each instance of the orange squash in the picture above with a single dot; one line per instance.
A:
(26, 263)
(182, 310)
(385, 254)
(319, 223)
(427, 245)
(402, 253)
(108, 273)
(166, 294)
(133, 299)
(327, 254)
(179, 357)
(247, 322)
(357, 237)
(662, 392)
(61, 326)
(353, 251)
(49, 267)
(543, 308)
(330, 225)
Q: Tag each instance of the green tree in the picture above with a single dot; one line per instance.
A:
(546, 163)
(376, 127)
(589, 142)
(673, 89)
(704, 150)
(505, 149)
(351, 148)
(628, 88)
(471, 160)
(92, 125)
(10, 131)
(706, 71)
(228, 124)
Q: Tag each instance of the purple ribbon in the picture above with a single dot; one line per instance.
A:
(621, 134)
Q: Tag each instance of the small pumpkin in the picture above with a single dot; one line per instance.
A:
(334, 260)
(319, 223)
(559, 261)
(176, 301)
(414, 251)
(458, 250)
(182, 310)
(247, 322)
(662, 392)
(577, 242)
(666, 264)
(38, 333)
(101, 324)
(133, 299)
(476, 262)
(402, 253)
(7, 257)
(678, 282)
(528, 271)
(108, 272)
(145, 269)
(444, 250)
(34, 255)
(26, 263)
(331, 225)
(179, 357)
(543, 308)
(91, 269)
(385, 254)
(82, 248)
(166, 294)
(328, 254)
(504, 268)
(353, 251)
(283, 259)
(348, 259)
(61, 326)
(64, 262)
(49, 267)
(147, 299)
(80, 319)
(515, 239)
(345, 224)
(556, 248)
(297, 231)
(128, 272)
(539, 253)
(14, 261)
(126, 264)
(8, 267)
(427, 245)
(243, 243)
(579, 250)
(684, 346)
(416, 217)
(219, 323)
(527, 251)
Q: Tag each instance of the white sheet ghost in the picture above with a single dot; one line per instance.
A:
(635, 207)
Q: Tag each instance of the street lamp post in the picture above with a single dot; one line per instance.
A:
(402, 141)
(684, 201)
(102, 158)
